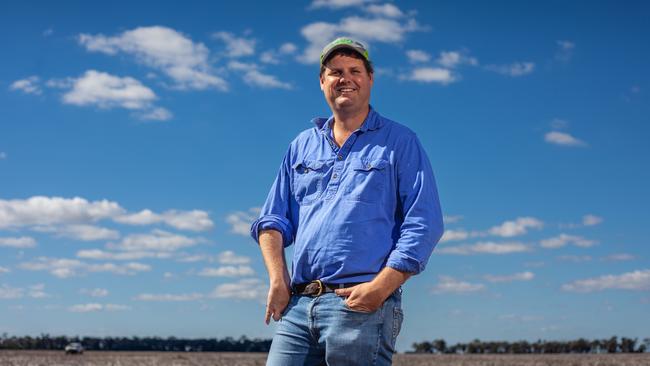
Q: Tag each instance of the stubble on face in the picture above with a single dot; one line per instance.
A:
(346, 84)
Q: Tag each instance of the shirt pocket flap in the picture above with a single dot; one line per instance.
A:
(368, 164)
(307, 165)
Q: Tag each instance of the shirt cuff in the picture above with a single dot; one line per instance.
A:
(276, 222)
(404, 263)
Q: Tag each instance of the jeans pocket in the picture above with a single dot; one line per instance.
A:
(348, 308)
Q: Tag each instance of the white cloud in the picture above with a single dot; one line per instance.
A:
(157, 240)
(7, 293)
(169, 297)
(28, 85)
(564, 239)
(273, 56)
(338, 4)
(619, 257)
(227, 271)
(287, 48)
(591, 220)
(34, 291)
(96, 292)
(72, 217)
(65, 83)
(66, 268)
(165, 49)
(485, 248)
(245, 289)
(120, 256)
(108, 91)
(21, 242)
(229, 257)
(254, 77)
(447, 284)
(416, 56)
(83, 232)
(39, 210)
(384, 10)
(452, 235)
(94, 307)
(257, 78)
(565, 50)
(432, 75)
(575, 258)
(319, 34)
(637, 281)
(522, 276)
(195, 220)
(451, 59)
(517, 227)
(515, 69)
(4, 270)
(236, 46)
(37, 291)
(240, 221)
(452, 219)
(562, 138)
(194, 258)
(156, 114)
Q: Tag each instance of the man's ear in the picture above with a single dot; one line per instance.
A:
(321, 79)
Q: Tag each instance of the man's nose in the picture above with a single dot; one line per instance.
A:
(344, 77)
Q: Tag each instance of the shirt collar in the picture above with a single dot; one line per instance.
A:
(372, 122)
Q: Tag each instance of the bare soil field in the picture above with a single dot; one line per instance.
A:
(89, 358)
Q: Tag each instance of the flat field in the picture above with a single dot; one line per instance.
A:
(58, 358)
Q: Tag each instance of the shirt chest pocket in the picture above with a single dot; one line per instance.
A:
(308, 180)
(367, 180)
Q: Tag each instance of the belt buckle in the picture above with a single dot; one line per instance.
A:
(321, 288)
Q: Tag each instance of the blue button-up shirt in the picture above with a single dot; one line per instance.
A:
(353, 210)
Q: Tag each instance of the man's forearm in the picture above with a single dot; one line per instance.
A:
(389, 280)
(272, 248)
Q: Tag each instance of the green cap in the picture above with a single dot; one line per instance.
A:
(344, 42)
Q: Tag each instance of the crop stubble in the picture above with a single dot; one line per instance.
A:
(58, 358)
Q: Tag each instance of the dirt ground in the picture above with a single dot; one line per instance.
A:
(90, 358)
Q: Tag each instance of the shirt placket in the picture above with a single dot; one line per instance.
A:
(340, 154)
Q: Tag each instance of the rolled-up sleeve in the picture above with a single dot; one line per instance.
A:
(419, 206)
(276, 212)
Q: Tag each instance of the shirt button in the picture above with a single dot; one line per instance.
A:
(340, 157)
(334, 176)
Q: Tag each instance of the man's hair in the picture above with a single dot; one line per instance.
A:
(350, 53)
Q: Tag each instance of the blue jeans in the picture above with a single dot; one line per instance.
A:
(323, 330)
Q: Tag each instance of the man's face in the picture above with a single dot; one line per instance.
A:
(346, 84)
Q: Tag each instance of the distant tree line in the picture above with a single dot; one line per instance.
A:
(611, 345)
(171, 344)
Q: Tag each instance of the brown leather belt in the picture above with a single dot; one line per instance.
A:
(317, 287)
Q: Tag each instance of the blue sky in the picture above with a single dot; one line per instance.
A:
(137, 143)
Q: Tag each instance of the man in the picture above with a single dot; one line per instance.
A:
(357, 196)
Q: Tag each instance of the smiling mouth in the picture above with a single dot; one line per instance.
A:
(345, 90)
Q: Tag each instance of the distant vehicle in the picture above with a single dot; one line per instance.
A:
(74, 348)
